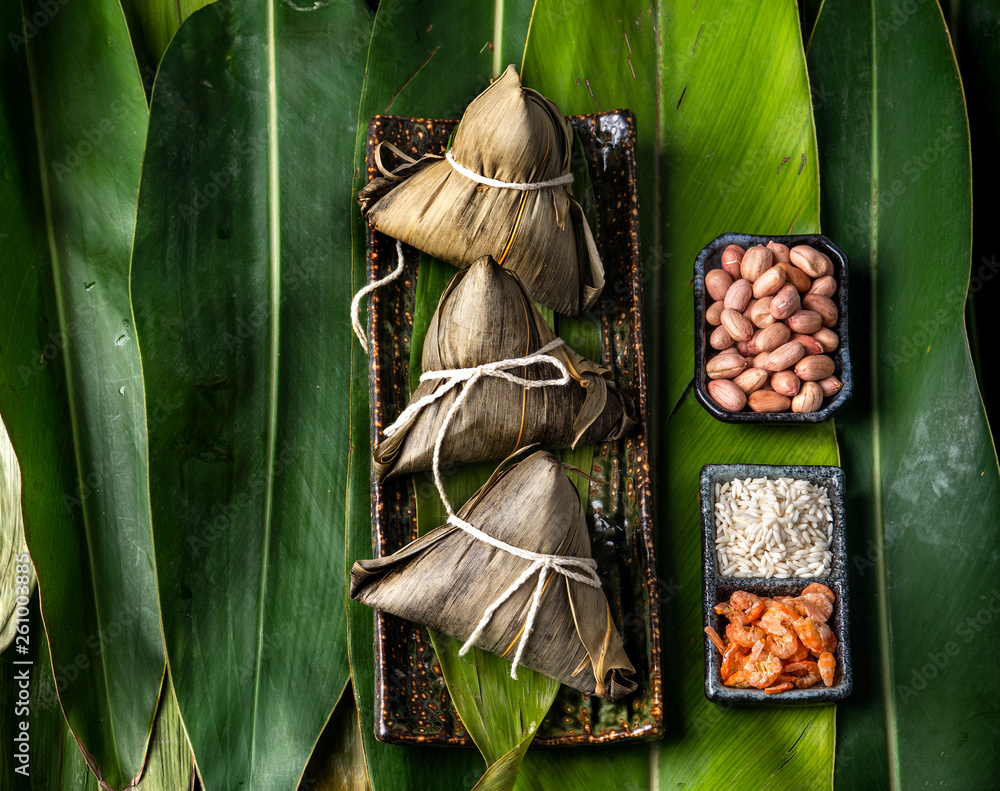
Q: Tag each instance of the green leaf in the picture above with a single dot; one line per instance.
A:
(17, 575)
(725, 138)
(425, 60)
(919, 459)
(70, 383)
(152, 24)
(55, 763)
(607, 768)
(241, 300)
(501, 714)
(977, 45)
(706, 166)
(338, 760)
(784, 748)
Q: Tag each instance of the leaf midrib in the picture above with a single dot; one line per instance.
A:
(877, 505)
(274, 261)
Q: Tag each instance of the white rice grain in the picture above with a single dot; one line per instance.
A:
(773, 528)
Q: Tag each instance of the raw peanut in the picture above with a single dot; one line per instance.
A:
(748, 310)
(727, 395)
(830, 386)
(768, 401)
(785, 302)
(760, 313)
(796, 276)
(717, 283)
(785, 356)
(809, 398)
(751, 379)
(811, 261)
(824, 286)
(725, 366)
(714, 313)
(827, 338)
(738, 295)
(760, 360)
(779, 251)
(738, 327)
(743, 347)
(756, 261)
(812, 369)
(824, 306)
(809, 343)
(804, 321)
(731, 258)
(768, 283)
(786, 383)
(770, 338)
(720, 339)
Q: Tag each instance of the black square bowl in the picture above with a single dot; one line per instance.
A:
(711, 258)
(716, 588)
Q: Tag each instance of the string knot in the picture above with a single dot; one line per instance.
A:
(578, 569)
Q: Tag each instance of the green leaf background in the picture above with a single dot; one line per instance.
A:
(275, 97)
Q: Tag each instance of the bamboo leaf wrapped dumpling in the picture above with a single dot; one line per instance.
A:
(455, 581)
(513, 135)
(485, 317)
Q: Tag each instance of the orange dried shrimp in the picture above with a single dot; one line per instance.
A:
(777, 644)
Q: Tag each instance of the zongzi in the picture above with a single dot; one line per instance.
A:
(491, 382)
(502, 190)
(511, 573)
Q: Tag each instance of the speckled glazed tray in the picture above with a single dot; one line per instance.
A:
(717, 588)
(411, 700)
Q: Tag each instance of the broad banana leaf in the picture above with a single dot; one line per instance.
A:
(54, 761)
(924, 501)
(977, 45)
(338, 761)
(70, 385)
(152, 24)
(428, 60)
(724, 129)
(241, 298)
(712, 160)
(17, 575)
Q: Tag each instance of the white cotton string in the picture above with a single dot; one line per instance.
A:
(356, 302)
(526, 186)
(579, 569)
(542, 565)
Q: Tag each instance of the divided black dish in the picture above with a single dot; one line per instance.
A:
(710, 258)
(716, 588)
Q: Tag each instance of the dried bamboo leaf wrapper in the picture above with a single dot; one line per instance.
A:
(447, 579)
(485, 316)
(511, 134)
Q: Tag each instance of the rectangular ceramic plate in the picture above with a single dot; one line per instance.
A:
(411, 701)
(717, 588)
(711, 258)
